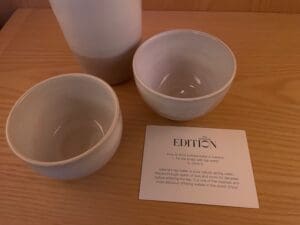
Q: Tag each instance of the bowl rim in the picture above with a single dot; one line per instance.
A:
(156, 37)
(102, 84)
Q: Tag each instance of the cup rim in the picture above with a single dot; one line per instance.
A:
(102, 84)
(186, 31)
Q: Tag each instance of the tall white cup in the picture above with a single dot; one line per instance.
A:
(103, 34)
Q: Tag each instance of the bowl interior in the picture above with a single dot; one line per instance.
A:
(184, 64)
(61, 118)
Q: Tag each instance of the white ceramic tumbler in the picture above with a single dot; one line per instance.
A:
(103, 34)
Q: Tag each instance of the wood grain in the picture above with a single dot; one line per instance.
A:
(281, 6)
(289, 6)
(6, 9)
(264, 100)
(286, 6)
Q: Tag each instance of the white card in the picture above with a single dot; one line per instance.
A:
(198, 165)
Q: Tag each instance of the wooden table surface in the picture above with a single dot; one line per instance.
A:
(264, 100)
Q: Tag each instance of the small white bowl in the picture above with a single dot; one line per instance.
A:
(183, 74)
(66, 127)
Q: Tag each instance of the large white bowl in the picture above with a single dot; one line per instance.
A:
(66, 127)
(183, 74)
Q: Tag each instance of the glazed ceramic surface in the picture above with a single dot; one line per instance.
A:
(67, 126)
(103, 34)
(183, 74)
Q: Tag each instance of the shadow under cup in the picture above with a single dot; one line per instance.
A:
(61, 118)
